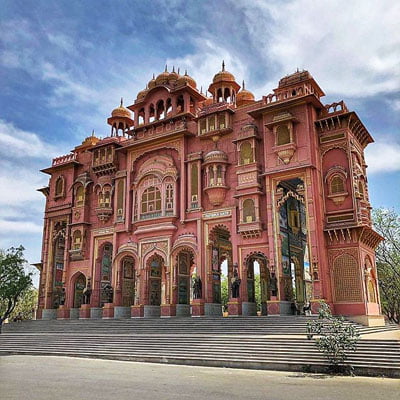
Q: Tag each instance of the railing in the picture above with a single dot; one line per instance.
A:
(297, 91)
(64, 159)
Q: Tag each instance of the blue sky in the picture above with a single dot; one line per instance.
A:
(65, 64)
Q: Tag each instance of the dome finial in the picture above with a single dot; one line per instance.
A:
(178, 70)
(122, 102)
(201, 89)
(173, 68)
(186, 74)
(223, 65)
(166, 68)
(243, 86)
(154, 76)
(92, 132)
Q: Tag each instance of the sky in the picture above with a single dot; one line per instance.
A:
(65, 64)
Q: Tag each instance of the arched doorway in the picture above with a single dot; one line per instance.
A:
(259, 285)
(106, 292)
(128, 281)
(80, 284)
(221, 261)
(185, 274)
(295, 274)
(155, 277)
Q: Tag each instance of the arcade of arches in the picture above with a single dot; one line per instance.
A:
(204, 202)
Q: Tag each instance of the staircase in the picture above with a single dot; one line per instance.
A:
(271, 342)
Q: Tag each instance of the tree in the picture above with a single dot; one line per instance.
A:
(26, 305)
(14, 281)
(336, 337)
(224, 291)
(387, 224)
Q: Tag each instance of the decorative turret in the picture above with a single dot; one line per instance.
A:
(120, 119)
(224, 86)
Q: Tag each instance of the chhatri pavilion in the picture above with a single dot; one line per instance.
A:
(188, 186)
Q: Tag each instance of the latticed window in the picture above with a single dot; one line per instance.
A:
(346, 279)
(203, 125)
(80, 196)
(169, 197)
(151, 200)
(282, 135)
(249, 212)
(337, 185)
(59, 190)
(246, 153)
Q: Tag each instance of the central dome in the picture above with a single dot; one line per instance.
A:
(121, 111)
(223, 75)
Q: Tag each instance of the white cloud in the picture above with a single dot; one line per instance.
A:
(383, 157)
(17, 142)
(19, 226)
(350, 47)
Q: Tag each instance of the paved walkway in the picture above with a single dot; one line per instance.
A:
(49, 378)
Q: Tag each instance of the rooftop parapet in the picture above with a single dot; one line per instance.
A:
(63, 159)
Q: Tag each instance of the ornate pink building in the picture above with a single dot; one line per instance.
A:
(141, 222)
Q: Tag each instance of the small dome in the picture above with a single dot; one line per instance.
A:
(186, 79)
(121, 111)
(223, 75)
(216, 155)
(142, 94)
(152, 83)
(163, 78)
(244, 96)
(173, 76)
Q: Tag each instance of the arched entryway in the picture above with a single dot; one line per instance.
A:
(128, 281)
(79, 285)
(220, 262)
(295, 274)
(259, 285)
(155, 266)
(185, 273)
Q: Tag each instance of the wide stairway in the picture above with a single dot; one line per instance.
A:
(271, 342)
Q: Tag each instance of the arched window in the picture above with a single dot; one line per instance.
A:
(246, 153)
(282, 135)
(120, 198)
(249, 212)
(80, 196)
(107, 199)
(77, 240)
(337, 184)
(211, 123)
(169, 198)
(221, 121)
(59, 189)
(211, 175)
(219, 175)
(151, 200)
(194, 178)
